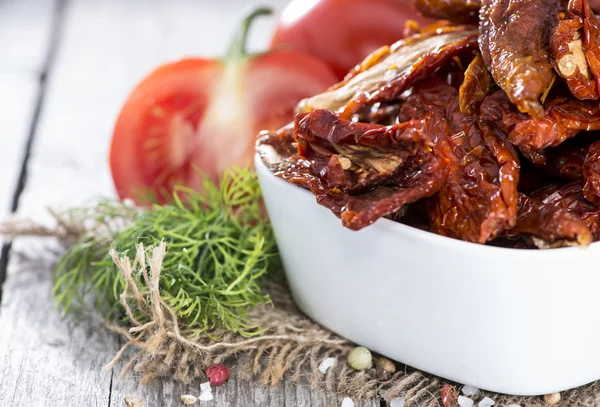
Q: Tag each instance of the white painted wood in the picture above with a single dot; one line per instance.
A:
(18, 94)
(235, 393)
(106, 48)
(46, 360)
(24, 34)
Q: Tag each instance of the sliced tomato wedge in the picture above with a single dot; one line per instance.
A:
(198, 117)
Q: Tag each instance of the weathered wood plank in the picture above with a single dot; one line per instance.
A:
(235, 393)
(46, 360)
(25, 27)
(24, 34)
(106, 47)
(24, 38)
(43, 359)
(18, 95)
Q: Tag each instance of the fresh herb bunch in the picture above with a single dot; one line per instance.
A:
(219, 247)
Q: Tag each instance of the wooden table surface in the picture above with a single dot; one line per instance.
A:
(65, 68)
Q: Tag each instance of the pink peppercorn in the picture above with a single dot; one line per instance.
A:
(217, 374)
(449, 396)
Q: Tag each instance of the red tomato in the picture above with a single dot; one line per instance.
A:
(343, 32)
(198, 117)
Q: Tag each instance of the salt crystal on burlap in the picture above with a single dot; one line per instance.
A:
(486, 402)
(347, 402)
(468, 390)
(465, 401)
(326, 364)
(397, 402)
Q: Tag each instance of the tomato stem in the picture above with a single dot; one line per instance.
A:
(237, 49)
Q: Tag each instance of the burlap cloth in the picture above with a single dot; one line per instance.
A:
(290, 348)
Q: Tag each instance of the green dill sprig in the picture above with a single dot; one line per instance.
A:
(219, 248)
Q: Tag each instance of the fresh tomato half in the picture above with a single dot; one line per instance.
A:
(343, 32)
(198, 117)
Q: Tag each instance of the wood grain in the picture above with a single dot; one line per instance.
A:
(18, 95)
(24, 38)
(44, 359)
(235, 393)
(104, 49)
(25, 27)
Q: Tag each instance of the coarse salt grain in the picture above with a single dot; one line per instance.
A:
(205, 392)
(486, 402)
(397, 402)
(326, 364)
(465, 401)
(468, 390)
(204, 387)
(206, 396)
(347, 402)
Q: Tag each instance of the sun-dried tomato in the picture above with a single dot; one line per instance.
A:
(457, 11)
(387, 74)
(551, 224)
(563, 119)
(514, 38)
(479, 200)
(570, 61)
(591, 174)
(475, 87)
(572, 163)
(591, 34)
(354, 157)
(366, 171)
(449, 396)
(466, 11)
(362, 172)
(564, 4)
(398, 139)
(570, 197)
(576, 50)
(560, 162)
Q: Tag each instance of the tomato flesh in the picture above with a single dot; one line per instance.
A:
(342, 32)
(197, 117)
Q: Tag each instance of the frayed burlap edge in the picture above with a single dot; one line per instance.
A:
(290, 348)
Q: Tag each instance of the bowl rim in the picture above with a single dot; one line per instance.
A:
(390, 226)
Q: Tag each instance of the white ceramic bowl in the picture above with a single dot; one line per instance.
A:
(523, 322)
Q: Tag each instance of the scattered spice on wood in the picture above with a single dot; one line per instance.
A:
(360, 358)
(465, 401)
(486, 402)
(205, 392)
(347, 402)
(449, 396)
(326, 364)
(188, 399)
(469, 390)
(552, 398)
(217, 375)
(385, 368)
(133, 401)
